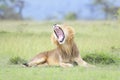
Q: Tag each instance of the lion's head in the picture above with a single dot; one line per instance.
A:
(62, 34)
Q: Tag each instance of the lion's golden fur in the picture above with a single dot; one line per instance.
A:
(64, 55)
(69, 41)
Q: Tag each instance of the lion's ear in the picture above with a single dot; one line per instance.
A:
(71, 34)
(71, 37)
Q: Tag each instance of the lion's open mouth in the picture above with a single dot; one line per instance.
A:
(59, 34)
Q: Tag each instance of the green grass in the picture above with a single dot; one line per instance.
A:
(26, 39)
(56, 73)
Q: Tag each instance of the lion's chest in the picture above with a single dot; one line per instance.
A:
(67, 54)
(67, 57)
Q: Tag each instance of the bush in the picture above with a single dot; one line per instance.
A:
(16, 60)
(101, 59)
(118, 14)
(71, 16)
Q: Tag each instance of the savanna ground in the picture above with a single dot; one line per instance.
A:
(26, 39)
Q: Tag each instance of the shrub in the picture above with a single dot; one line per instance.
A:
(71, 16)
(102, 58)
(118, 14)
(16, 60)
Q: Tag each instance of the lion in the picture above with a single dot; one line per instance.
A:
(66, 54)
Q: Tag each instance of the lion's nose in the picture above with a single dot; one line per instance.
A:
(56, 26)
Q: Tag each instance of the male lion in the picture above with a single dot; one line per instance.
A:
(66, 53)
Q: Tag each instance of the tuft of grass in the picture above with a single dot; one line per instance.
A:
(101, 58)
(3, 32)
(16, 60)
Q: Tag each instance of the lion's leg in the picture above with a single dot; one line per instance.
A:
(35, 62)
(64, 65)
(43, 65)
(81, 62)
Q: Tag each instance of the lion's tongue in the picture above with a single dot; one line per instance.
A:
(60, 38)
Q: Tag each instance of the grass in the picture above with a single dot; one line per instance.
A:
(56, 73)
(23, 40)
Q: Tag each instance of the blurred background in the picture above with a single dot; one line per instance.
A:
(59, 9)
